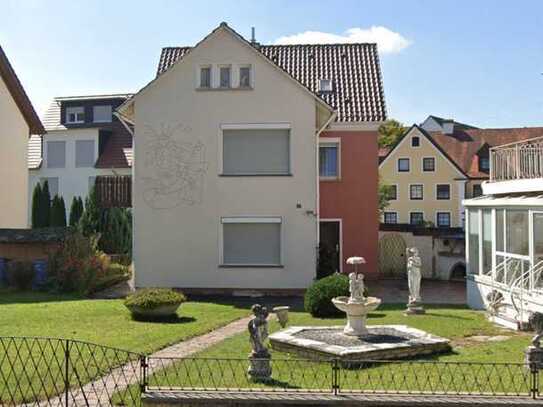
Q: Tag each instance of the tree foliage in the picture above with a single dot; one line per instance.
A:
(390, 132)
(37, 219)
(58, 212)
(45, 205)
(384, 196)
(76, 210)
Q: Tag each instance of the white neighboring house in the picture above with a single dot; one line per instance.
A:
(83, 140)
(18, 121)
(504, 235)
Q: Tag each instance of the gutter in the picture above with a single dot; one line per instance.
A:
(332, 117)
(124, 120)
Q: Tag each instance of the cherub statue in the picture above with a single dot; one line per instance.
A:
(356, 287)
(258, 331)
(414, 274)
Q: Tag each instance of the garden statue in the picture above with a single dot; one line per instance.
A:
(495, 301)
(414, 276)
(281, 314)
(534, 352)
(356, 287)
(260, 367)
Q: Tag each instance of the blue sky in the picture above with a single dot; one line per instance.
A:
(479, 62)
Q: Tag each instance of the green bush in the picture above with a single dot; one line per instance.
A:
(318, 297)
(114, 274)
(20, 275)
(151, 298)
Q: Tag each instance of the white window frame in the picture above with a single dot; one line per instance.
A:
(326, 89)
(409, 192)
(398, 165)
(79, 110)
(199, 77)
(252, 219)
(394, 212)
(450, 192)
(219, 70)
(250, 67)
(422, 164)
(450, 219)
(423, 217)
(110, 118)
(337, 142)
(253, 126)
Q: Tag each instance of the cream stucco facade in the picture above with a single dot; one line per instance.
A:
(182, 199)
(14, 133)
(445, 173)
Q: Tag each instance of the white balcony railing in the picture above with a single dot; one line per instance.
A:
(519, 160)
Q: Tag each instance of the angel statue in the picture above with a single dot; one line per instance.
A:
(356, 287)
(258, 331)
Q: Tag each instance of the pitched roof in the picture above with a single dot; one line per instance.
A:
(19, 95)
(461, 147)
(441, 121)
(117, 152)
(354, 69)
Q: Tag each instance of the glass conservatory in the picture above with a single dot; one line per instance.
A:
(504, 247)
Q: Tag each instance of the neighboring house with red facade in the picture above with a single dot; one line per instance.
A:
(275, 150)
(83, 140)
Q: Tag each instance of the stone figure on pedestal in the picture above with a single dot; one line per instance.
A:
(260, 367)
(356, 287)
(414, 277)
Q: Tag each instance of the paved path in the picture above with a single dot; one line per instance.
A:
(100, 391)
(432, 291)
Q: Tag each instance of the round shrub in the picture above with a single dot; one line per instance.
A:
(318, 297)
(154, 302)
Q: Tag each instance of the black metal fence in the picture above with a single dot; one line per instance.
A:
(64, 372)
(340, 377)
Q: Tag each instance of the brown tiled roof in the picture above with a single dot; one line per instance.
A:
(19, 95)
(357, 94)
(117, 152)
(463, 145)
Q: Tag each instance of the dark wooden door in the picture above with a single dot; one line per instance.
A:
(330, 241)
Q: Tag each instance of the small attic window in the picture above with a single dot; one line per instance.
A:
(325, 85)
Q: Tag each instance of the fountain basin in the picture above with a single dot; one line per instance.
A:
(356, 313)
(381, 342)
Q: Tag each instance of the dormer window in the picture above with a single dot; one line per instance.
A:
(205, 77)
(484, 164)
(325, 85)
(245, 77)
(75, 115)
(225, 77)
(101, 114)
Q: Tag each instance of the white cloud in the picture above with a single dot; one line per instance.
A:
(388, 42)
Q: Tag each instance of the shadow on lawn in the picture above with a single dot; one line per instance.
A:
(171, 319)
(11, 296)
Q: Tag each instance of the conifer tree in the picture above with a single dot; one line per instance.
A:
(37, 220)
(45, 207)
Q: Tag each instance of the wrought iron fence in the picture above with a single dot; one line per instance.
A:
(65, 372)
(340, 376)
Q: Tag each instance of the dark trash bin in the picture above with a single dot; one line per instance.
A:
(3, 276)
(40, 273)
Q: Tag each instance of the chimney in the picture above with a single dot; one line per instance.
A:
(253, 39)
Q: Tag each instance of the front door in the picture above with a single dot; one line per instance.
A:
(330, 250)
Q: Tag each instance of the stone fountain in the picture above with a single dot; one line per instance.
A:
(356, 341)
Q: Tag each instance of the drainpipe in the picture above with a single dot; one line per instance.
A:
(317, 204)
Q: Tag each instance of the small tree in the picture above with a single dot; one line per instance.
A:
(37, 220)
(45, 206)
(384, 196)
(90, 221)
(391, 132)
(58, 212)
(76, 210)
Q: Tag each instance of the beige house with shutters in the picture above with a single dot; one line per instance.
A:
(225, 171)
(18, 121)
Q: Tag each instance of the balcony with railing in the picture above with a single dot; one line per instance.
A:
(516, 167)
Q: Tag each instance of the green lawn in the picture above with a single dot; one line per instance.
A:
(456, 323)
(38, 365)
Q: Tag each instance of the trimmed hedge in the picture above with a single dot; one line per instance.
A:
(150, 298)
(318, 297)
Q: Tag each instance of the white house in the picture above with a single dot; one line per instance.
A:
(504, 235)
(83, 140)
(18, 121)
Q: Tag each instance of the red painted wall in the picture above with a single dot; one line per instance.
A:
(354, 197)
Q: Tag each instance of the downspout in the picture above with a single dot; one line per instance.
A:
(317, 179)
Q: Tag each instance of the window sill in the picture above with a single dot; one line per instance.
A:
(443, 199)
(199, 89)
(252, 266)
(328, 179)
(255, 175)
